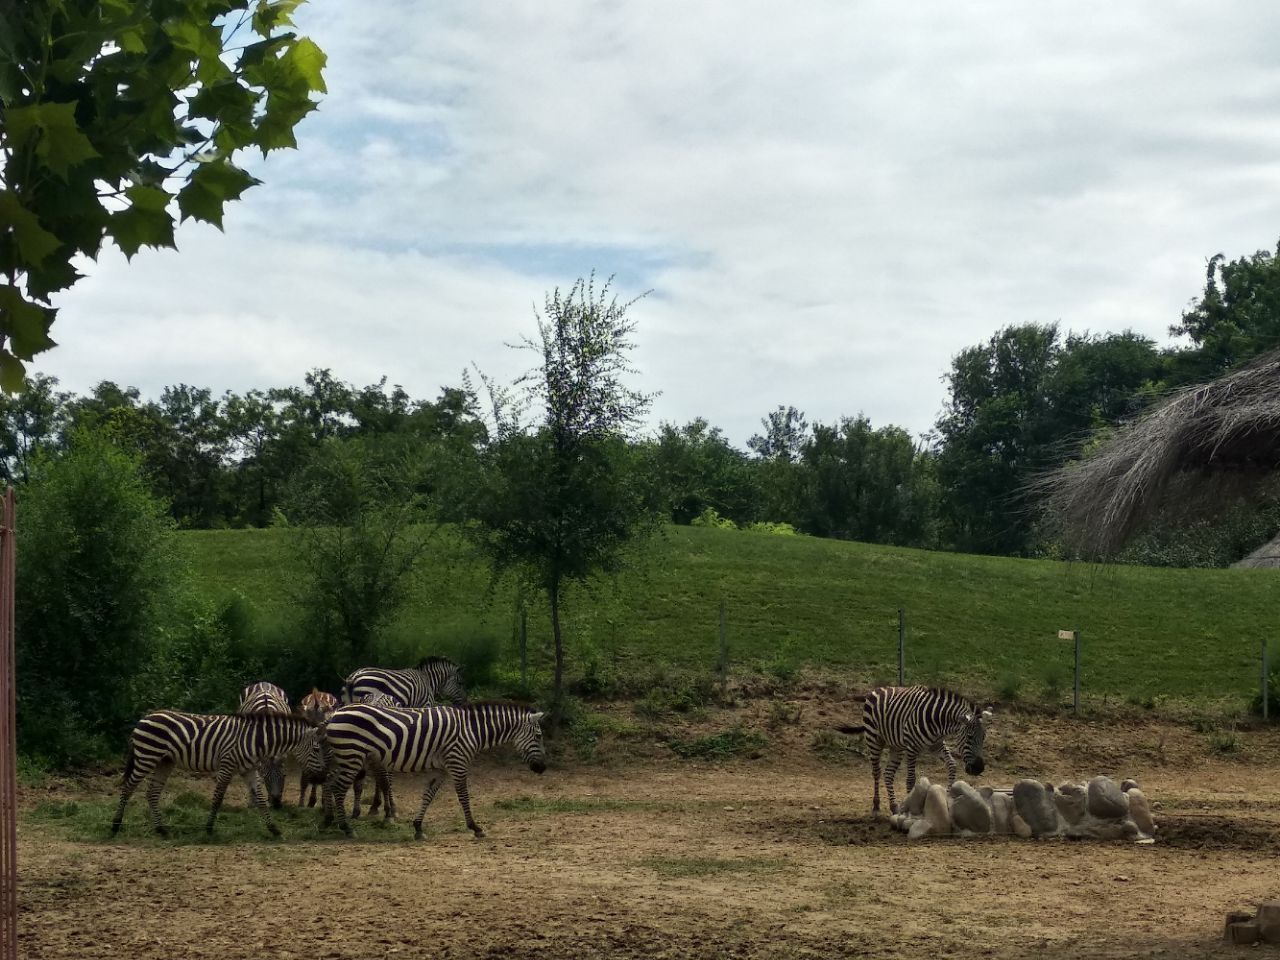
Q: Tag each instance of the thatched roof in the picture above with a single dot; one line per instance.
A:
(1266, 556)
(1193, 451)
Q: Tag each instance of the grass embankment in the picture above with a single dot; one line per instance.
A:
(987, 624)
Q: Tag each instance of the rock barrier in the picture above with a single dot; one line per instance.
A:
(1099, 809)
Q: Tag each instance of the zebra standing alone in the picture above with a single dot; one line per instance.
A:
(433, 679)
(219, 744)
(913, 720)
(264, 697)
(438, 740)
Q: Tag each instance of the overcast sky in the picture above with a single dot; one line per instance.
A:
(827, 200)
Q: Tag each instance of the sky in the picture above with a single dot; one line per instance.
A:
(824, 201)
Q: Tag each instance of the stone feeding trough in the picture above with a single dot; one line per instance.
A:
(1099, 810)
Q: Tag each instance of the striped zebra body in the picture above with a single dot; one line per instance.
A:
(432, 680)
(914, 720)
(435, 740)
(264, 697)
(381, 777)
(224, 745)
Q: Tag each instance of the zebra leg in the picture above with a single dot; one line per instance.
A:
(130, 783)
(950, 761)
(335, 797)
(383, 778)
(219, 794)
(357, 788)
(429, 794)
(302, 791)
(911, 770)
(250, 778)
(458, 770)
(158, 778)
(890, 772)
(875, 776)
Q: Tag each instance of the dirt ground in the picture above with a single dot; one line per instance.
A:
(772, 857)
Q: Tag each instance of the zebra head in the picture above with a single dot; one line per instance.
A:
(528, 740)
(445, 678)
(972, 738)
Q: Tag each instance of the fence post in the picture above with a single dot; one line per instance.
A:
(723, 665)
(902, 648)
(1077, 686)
(8, 738)
(524, 649)
(1266, 684)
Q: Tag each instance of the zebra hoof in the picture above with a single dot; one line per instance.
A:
(478, 832)
(115, 828)
(274, 831)
(162, 830)
(417, 831)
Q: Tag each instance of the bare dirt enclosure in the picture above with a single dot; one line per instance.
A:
(772, 857)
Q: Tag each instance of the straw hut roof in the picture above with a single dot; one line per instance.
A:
(1196, 450)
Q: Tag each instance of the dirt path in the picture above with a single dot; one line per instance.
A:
(671, 859)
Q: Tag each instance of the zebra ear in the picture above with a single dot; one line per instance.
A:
(537, 716)
(986, 716)
(968, 718)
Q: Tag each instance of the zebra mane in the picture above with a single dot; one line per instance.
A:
(497, 702)
(436, 661)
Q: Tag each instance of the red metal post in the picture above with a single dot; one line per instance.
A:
(8, 738)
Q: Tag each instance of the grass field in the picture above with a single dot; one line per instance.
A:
(987, 624)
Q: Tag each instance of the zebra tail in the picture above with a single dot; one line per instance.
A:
(130, 761)
(853, 731)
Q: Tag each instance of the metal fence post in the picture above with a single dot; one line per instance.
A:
(8, 738)
(1266, 684)
(1077, 690)
(724, 657)
(524, 649)
(902, 648)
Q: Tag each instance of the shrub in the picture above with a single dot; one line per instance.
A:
(98, 573)
(734, 742)
(709, 517)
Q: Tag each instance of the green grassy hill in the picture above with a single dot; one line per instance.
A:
(983, 623)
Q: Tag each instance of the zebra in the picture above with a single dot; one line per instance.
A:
(914, 719)
(437, 740)
(314, 766)
(381, 779)
(225, 745)
(264, 697)
(310, 753)
(434, 678)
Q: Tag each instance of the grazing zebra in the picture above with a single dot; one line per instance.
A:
(437, 740)
(264, 697)
(435, 678)
(219, 744)
(911, 720)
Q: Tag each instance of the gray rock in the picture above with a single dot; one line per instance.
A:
(915, 799)
(968, 810)
(1032, 802)
(1106, 802)
(919, 828)
(1140, 812)
(1001, 812)
(1019, 827)
(1069, 798)
(937, 812)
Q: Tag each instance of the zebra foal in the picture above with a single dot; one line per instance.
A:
(224, 745)
(913, 720)
(435, 740)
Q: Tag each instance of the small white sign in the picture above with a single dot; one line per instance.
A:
(1066, 634)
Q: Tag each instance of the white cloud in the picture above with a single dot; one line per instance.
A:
(828, 199)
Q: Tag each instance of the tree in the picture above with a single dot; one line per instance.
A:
(358, 531)
(784, 433)
(869, 485)
(30, 422)
(1236, 318)
(695, 469)
(117, 111)
(560, 499)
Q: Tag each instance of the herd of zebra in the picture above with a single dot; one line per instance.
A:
(392, 721)
(385, 721)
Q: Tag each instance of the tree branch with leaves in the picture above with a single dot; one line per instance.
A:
(122, 116)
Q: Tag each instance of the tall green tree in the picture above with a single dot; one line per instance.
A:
(119, 116)
(1235, 318)
(695, 468)
(560, 499)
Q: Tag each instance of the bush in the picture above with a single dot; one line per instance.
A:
(98, 573)
(709, 517)
(721, 746)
